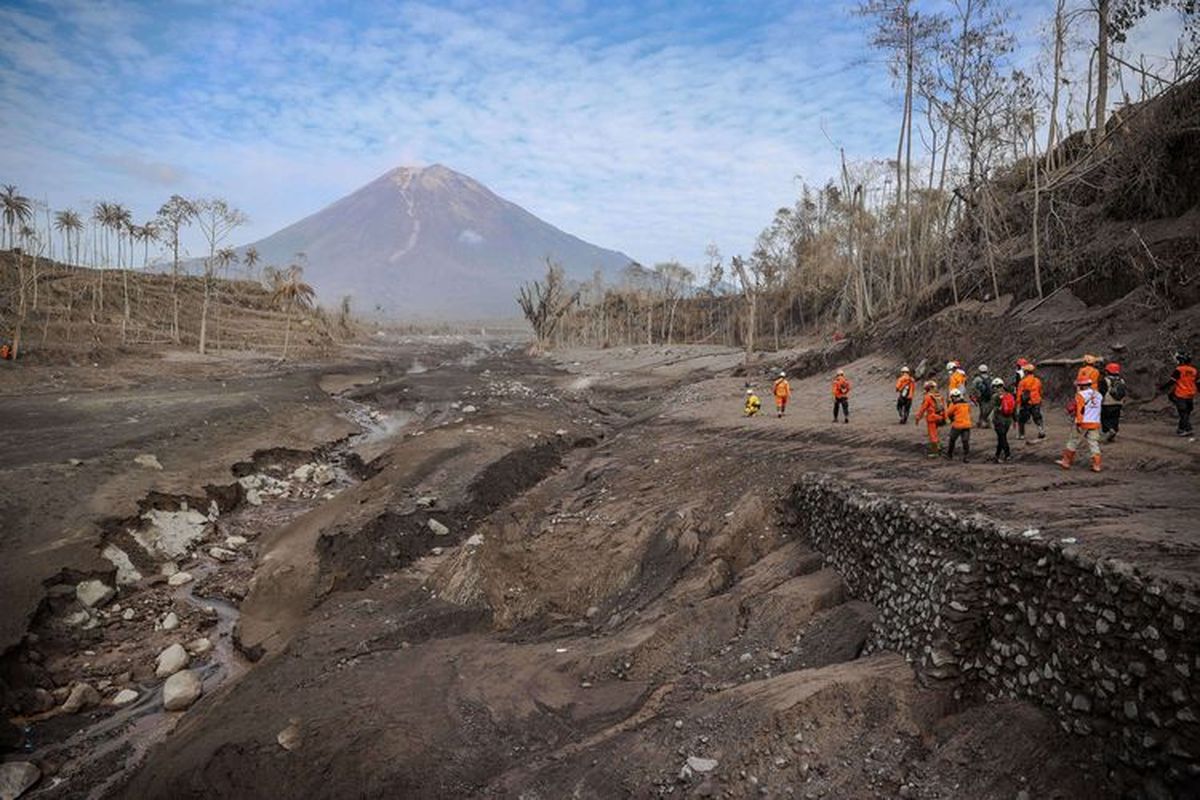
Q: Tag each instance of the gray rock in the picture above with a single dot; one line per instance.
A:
(438, 528)
(179, 579)
(222, 554)
(171, 660)
(147, 460)
(199, 647)
(16, 777)
(291, 737)
(94, 593)
(701, 765)
(428, 501)
(170, 622)
(323, 475)
(83, 696)
(181, 690)
(124, 697)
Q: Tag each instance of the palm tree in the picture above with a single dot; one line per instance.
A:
(291, 293)
(67, 223)
(145, 234)
(250, 258)
(17, 210)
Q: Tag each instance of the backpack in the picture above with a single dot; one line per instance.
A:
(1116, 387)
(1008, 404)
(939, 408)
(983, 388)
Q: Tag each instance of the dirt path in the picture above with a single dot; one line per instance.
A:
(607, 606)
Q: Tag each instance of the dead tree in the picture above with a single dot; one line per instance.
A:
(545, 303)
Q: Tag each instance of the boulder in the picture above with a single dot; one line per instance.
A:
(171, 660)
(94, 593)
(16, 777)
(124, 697)
(438, 528)
(127, 573)
(290, 737)
(181, 690)
(83, 696)
(222, 554)
(179, 579)
(199, 647)
(170, 622)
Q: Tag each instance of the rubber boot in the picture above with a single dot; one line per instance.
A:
(1095, 463)
(1068, 458)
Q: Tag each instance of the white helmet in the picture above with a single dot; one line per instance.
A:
(983, 368)
(749, 391)
(997, 381)
(950, 365)
(905, 369)
(782, 374)
(956, 392)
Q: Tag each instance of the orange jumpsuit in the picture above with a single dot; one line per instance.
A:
(958, 380)
(782, 391)
(906, 390)
(931, 410)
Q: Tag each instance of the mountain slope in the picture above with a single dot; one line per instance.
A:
(429, 242)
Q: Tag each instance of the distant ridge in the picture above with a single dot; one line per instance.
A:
(429, 242)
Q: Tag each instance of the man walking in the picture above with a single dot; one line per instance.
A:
(959, 414)
(1004, 408)
(981, 394)
(1029, 399)
(1112, 389)
(906, 387)
(1182, 388)
(782, 391)
(933, 411)
(841, 397)
(1086, 410)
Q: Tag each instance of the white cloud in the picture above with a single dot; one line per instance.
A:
(653, 128)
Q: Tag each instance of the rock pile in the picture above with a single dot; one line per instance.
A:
(995, 612)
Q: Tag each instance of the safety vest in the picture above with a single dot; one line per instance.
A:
(1087, 408)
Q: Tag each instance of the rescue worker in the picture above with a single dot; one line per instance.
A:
(957, 377)
(841, 396)
(753, 404)
(782, 391)
(1112, 389)
(906, 387)
(958, 412)
(1086, 409)
(1089, 372)
(1182, 388)
(1020, 373)
(1029, 399)
(1004, 409)
(933, 411)
(981, 395)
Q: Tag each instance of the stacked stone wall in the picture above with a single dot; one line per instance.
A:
(995, 612)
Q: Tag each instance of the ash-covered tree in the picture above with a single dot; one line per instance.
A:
(217, 219)
(292, 294)
(544, 303)
(175, 214)
(17, 210)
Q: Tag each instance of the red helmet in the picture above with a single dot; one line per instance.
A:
(1112, 368)
(1021, 362)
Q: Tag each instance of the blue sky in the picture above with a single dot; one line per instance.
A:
(652, 127)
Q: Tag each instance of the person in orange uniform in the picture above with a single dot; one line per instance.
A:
(1029, 399)
(1183, 392)
(958, 412)
(1089, 372)
(957, 376)
(782, 391)
(906, 389)
(933, 411)
(841, 396)
(1087, 424)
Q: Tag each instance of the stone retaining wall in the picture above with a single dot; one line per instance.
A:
(995, 612)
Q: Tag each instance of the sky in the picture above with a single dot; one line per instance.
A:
(651, 127)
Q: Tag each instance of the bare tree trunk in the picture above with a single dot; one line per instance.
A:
(1037, 264)
(287, 333)
(1101, 67)
(1052, 126)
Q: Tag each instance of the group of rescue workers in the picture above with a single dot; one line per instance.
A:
(1095, 409)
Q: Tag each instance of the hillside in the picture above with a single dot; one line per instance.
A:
(75, 314)
(429, 242)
